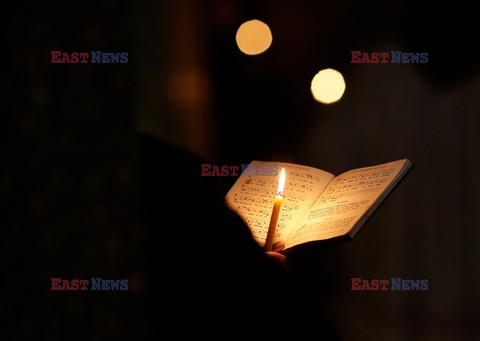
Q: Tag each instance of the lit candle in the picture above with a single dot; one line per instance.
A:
(276, 212)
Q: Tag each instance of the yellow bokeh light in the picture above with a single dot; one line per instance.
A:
(328, 86)
(253, 37)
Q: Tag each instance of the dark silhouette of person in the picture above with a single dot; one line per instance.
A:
(207, 273)
(67, 197)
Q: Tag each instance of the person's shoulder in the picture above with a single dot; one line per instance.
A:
(153, 148)
(164, 166)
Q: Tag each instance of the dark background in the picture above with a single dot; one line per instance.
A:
(68, 193)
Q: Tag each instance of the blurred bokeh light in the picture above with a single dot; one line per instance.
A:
(253, 37)
(328, 86)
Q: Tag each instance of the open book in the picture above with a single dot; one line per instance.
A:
(316, 204)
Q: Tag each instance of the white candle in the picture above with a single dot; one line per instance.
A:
(277, 204)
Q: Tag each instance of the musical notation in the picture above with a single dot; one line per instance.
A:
(252, 197)
(344, 199)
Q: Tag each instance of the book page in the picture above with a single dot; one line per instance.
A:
(252, 196)
(344, 202)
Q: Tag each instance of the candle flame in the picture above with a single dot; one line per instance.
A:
(281, 182)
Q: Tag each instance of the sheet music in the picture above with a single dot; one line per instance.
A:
(344, 201)
(252, 197)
